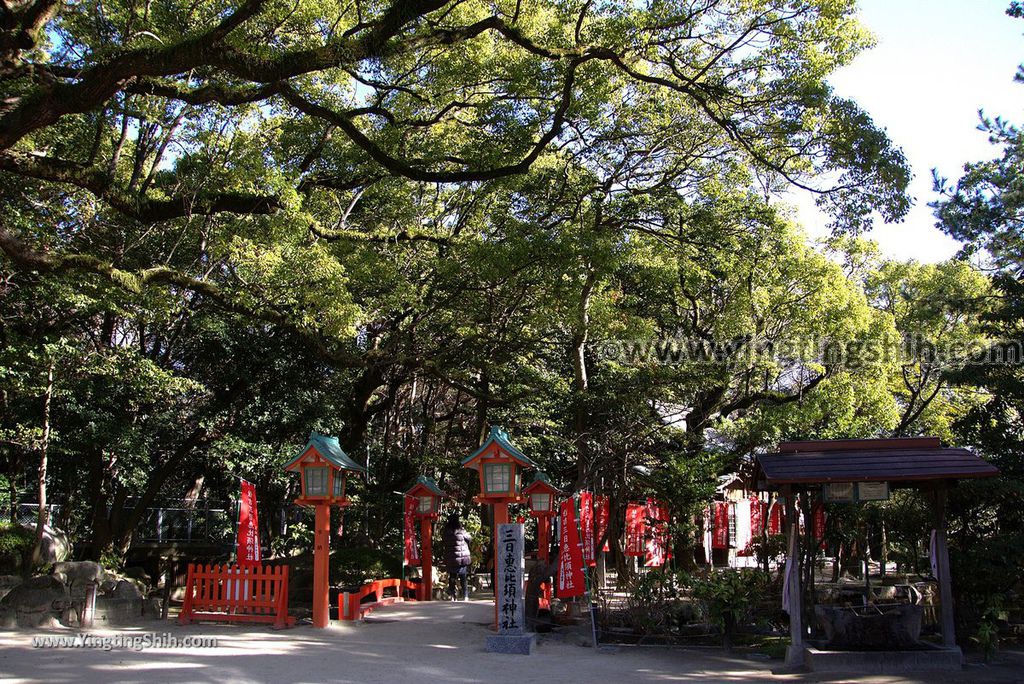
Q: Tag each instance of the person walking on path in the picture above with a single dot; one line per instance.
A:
(457, 556)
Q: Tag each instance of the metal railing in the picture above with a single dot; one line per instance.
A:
(28, 513)
(176, 522)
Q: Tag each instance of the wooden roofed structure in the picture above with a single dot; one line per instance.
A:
(920, 463)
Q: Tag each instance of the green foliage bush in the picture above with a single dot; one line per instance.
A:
(15, 543)
(656, 604)
(353, 566)
(728, 596)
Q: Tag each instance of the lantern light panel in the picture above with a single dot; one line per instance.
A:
(315, 480)
(540, 502)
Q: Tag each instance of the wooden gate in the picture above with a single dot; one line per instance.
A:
(237, 593)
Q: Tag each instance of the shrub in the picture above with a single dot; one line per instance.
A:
(728, 597)
(15, 544)
(353, 566)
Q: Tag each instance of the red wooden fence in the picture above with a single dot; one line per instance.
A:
(351, 607)
(234, 593)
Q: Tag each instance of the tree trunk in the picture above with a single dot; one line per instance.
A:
(580, 379)
(44, 448)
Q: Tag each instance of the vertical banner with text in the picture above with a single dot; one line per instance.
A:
(775, 518)
(720, 532)
(587, 528)
(818, 517)
(635, 529)
(570, 556)
(602, 515)
(412, 549)
(248, 526)
(656, 549)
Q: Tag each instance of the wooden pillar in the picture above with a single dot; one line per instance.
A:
(427, 559)
(321, 566)
(795, 651)
(544, 549)
(942, 562)
(543, 538)
(500, 518)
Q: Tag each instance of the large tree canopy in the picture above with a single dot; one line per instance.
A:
(174, 110)
(228, 223)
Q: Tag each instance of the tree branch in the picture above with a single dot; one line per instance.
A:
(139, 207)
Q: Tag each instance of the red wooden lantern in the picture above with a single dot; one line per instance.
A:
(428, 497)
(541, 496)
(499, 463)
(323, 466)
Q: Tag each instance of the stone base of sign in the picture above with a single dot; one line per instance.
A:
(514, 644)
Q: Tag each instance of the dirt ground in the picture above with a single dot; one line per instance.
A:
(411, 642)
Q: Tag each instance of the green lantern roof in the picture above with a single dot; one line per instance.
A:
(540, 480)
(427, 482)
(500, 437)
(330, 449)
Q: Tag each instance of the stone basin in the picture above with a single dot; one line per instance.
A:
(884, 629)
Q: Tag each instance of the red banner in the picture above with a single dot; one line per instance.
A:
(758, 510)
(603, 515)
(775, 518)
(720, 532)
(248, 526)
(635, 529)
(656, 543)
(570, 556)
(412, 549)
(818, 527)
(587, 528)
(665, 537)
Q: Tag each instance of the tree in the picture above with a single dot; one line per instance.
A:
(983, 210)
(402, 221)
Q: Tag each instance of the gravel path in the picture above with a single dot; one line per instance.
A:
(412, 642)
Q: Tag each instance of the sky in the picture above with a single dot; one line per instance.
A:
(936, 63)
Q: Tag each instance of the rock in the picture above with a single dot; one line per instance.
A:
(139, 574)
(37, 593)
(152, 607)
(40, 601)
(55, 547)
(117, 611)
(8, 582)
(81, 572)
(126, 589)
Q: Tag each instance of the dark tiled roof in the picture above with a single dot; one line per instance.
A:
(890, 460)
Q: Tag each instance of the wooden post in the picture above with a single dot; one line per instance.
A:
(543, 538)
(544, 549)
(500, 518)
(427, 559)
(321, 566)
(795, 651)
(942, 561)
